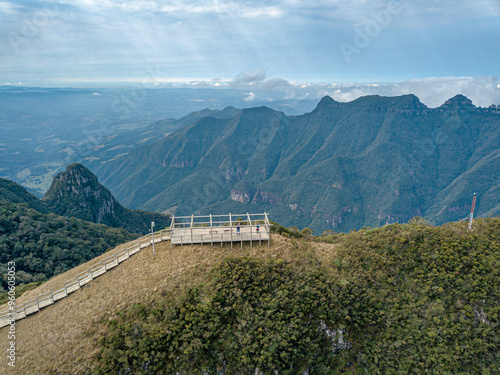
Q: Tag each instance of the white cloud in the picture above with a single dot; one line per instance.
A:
(299, 39)
(9, 8)
(189, 7)
(432, 91)
(250, 97)
(248, 78)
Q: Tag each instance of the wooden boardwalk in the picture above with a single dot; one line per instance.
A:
(188, 230)
(219, 235)
(122, 253)
(215, 229)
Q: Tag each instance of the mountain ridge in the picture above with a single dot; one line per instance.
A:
(368, 162)
(76, 192)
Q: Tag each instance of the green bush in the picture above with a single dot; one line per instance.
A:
(253, 314)
(44, 245)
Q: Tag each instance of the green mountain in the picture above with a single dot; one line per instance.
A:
(77, 193)
(402, 299)
(14, 193)
(42, 244)
(369, 162)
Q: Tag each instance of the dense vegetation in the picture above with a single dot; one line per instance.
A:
(44, 245)
(252, 314)
(407, 299)
(77, 193)
(14, 193)
(369, 162)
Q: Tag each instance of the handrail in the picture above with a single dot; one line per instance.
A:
(120, 254)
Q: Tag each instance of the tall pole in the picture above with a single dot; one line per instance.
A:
(152, 235)
(472, 211)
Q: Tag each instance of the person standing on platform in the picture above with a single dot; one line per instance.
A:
(258, 226)
(238, 228)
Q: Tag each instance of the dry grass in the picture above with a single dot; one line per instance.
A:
(62, 338)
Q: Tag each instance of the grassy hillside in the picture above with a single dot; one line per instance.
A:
(44, 245)
(408, 299)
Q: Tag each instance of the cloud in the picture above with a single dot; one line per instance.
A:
(432, 91)
(248, 78)
(296, 39)
(9, 8)
(189, 7)
(257, 79)
(250, 97)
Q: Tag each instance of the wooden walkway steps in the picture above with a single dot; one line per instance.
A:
(185, 230)
(46, 299)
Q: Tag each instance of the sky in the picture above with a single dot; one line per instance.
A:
(434, 49)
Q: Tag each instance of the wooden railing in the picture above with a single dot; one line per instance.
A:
(46, 299)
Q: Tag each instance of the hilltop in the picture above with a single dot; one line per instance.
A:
(14, 193)
(369, 162)
(76, 192)
(404, 298)
(43, 244)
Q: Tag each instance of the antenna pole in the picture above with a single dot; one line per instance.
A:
(471, 216)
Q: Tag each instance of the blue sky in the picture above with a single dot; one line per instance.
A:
(223, 42)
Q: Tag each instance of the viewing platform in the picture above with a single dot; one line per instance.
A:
(215, 229)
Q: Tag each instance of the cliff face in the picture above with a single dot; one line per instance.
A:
(77, 192)
(369, 162)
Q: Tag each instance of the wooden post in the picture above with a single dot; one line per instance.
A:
(52, 296)
(231, 226)
(37, 303)
(192, 217)
(268, 225)
(250, 222)
(211, 232)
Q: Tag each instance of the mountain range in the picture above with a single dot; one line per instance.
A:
(369, 162)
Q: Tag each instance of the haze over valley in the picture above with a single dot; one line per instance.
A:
(260, 187)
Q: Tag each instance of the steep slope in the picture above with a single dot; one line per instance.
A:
(13, 193)
(77, 193)
(404, 296)
(369, 162)
(44, 245)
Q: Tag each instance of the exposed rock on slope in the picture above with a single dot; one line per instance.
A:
(77, 193)
(369, 162)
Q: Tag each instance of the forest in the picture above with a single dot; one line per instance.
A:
(44, 245)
